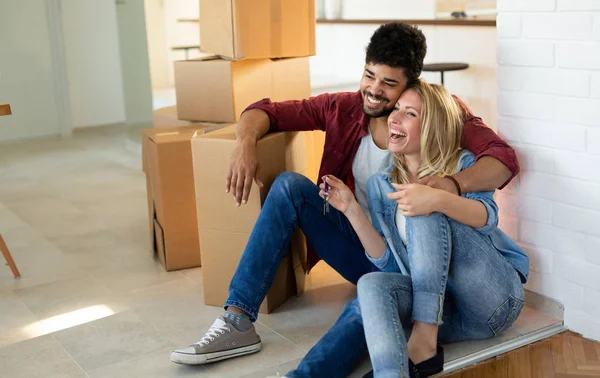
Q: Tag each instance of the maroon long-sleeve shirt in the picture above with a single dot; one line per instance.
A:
(342, 117)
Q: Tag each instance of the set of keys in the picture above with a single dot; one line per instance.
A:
(326, 199)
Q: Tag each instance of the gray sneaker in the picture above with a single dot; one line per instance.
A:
(222, 341)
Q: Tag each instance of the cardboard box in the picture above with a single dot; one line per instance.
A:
(167, 117)
(255, 29)
(159, 132)
(217, 90)
(171, 196)
(224, 229)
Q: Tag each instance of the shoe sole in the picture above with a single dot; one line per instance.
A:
(201, 359)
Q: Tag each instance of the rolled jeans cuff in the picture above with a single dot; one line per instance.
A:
(427, 308)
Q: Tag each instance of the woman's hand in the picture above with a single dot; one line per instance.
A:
(416, 199)
(340, 196)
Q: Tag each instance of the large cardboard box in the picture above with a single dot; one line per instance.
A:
(254, 29)
(224, 229)
(218, 90)
(171, 196)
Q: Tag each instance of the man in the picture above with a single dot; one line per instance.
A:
(355, 148)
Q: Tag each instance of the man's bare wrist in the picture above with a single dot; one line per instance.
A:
(247, 139)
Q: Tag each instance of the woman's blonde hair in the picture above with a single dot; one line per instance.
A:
(442, 121)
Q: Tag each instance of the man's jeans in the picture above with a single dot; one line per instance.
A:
(450, 264)
(293, 201)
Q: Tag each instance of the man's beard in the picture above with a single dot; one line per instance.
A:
(376, 113)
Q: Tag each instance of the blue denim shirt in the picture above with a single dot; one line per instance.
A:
(383, 212)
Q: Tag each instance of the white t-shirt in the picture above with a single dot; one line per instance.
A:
(401, 225)
(369, 160)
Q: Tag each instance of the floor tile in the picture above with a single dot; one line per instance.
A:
(101, 240)
(41, 357)
(63, 297)
(305, 319)
(39, 263)
(181, 315)
(132, 274)
(194, 274)
(15, 318)
(153, 365)
(111, 340)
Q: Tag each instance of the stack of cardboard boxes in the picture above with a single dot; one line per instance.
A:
(261, 50)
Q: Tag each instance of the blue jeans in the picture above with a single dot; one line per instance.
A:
(293, 201)
(458, 280)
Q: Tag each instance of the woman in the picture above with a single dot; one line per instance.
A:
(447, 276)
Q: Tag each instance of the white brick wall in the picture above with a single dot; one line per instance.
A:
(568, 26)
(539, 133)
(597, 27)
(520, 53)
(593, 142)
(580, 55)
(526, 5)
(549, 106)
(596, 79)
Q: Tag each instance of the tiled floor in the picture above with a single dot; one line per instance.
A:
(93, 303)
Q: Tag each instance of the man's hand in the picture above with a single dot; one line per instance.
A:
(416, 199)
(439, 183)
(243, 168)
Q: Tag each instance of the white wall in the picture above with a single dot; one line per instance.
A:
(157, 43)
(93, 62)
(133, 46)
(388, 9)
(340, 61)
(165, 32)
(26, 71)
(549, 104)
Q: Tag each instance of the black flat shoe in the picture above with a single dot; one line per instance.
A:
(423, 369)
(428, 367)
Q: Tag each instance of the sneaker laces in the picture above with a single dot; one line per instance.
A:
(218, 328)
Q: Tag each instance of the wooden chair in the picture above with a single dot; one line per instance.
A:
(4, 111)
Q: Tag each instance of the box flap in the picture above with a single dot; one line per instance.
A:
(205, 58)
(159, 243)
(173, 136)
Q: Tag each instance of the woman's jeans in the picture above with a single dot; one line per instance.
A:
(458, 280)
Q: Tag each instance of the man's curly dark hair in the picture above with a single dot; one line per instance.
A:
(398, 45)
